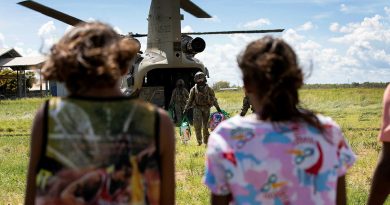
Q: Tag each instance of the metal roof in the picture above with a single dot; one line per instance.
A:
(9, 53)
(19, 62)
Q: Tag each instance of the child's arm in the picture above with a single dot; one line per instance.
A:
(35, 151)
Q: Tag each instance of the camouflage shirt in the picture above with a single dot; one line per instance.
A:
(201, 98)
(179, 96)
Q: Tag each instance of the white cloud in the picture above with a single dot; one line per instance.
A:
(306, 26)
(359, 53)
(387, 10)
(143, 42)
(370, 29)
(2, 41)
(220, 68)
(367, 50)
(366, 56)
(354, 9)
(310, 45)
(292, 36)
(187, 29)
(118, 30)
(334, 27)
(344, 8)
(257, 23)
(321, 64)
(349, 27)
(47, 32)
(68, 28)
(220, 59)
(46, 29)
(27, 52)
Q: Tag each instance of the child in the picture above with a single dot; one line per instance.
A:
(282, 154)
(97, 146)
(380, 187)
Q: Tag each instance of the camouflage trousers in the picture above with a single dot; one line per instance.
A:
(179, 108)
(201, 123)
(245, 106)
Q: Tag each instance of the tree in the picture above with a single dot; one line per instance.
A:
(8, 81)
(221, 84)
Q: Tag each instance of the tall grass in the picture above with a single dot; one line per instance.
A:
(357, 110)
(16, 115)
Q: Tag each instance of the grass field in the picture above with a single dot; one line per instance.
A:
(357, 111)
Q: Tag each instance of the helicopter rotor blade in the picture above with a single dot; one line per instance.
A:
(235, 32)
(136, 35)
(193, 9)
(51, 12)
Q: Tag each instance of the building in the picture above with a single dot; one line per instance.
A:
(10, 58)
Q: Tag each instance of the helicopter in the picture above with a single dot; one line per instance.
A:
(169, 55)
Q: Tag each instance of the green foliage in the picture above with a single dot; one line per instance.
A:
(8, 81)
(352, 85)
(220, 84)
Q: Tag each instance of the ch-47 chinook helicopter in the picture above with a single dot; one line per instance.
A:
(169, 54)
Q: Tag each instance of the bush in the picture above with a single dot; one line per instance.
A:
(220, 84)
(8, 81)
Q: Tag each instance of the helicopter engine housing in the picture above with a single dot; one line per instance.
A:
(191, 45)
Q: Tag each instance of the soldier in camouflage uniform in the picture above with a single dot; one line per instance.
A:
(201, 98)
(245, 106)
(178, 99)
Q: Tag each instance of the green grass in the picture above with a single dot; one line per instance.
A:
(357, 111)
(16, 115)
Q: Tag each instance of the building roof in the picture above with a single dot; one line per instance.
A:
(21, 62)
(9, 53)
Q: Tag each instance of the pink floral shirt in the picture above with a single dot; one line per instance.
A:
(286, 163)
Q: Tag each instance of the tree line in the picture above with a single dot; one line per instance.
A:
(349, 85)
(225, 84)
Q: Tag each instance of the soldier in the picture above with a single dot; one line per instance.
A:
(201, 98)
(178, 99)
(245, 106)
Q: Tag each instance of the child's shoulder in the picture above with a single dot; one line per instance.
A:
(327, 122)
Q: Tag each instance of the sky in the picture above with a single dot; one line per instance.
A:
(337, 41)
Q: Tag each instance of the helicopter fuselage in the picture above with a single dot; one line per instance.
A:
(169, 54)
(164, 60)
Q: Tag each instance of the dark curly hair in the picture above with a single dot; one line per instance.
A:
(91, 55)
(270, 65)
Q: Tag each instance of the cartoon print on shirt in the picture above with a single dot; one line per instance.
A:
(343, 155)
(284, 163)
(274, 189)
(242, 136)
(308, 158)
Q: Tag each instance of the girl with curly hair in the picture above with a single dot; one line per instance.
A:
(97, 146)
